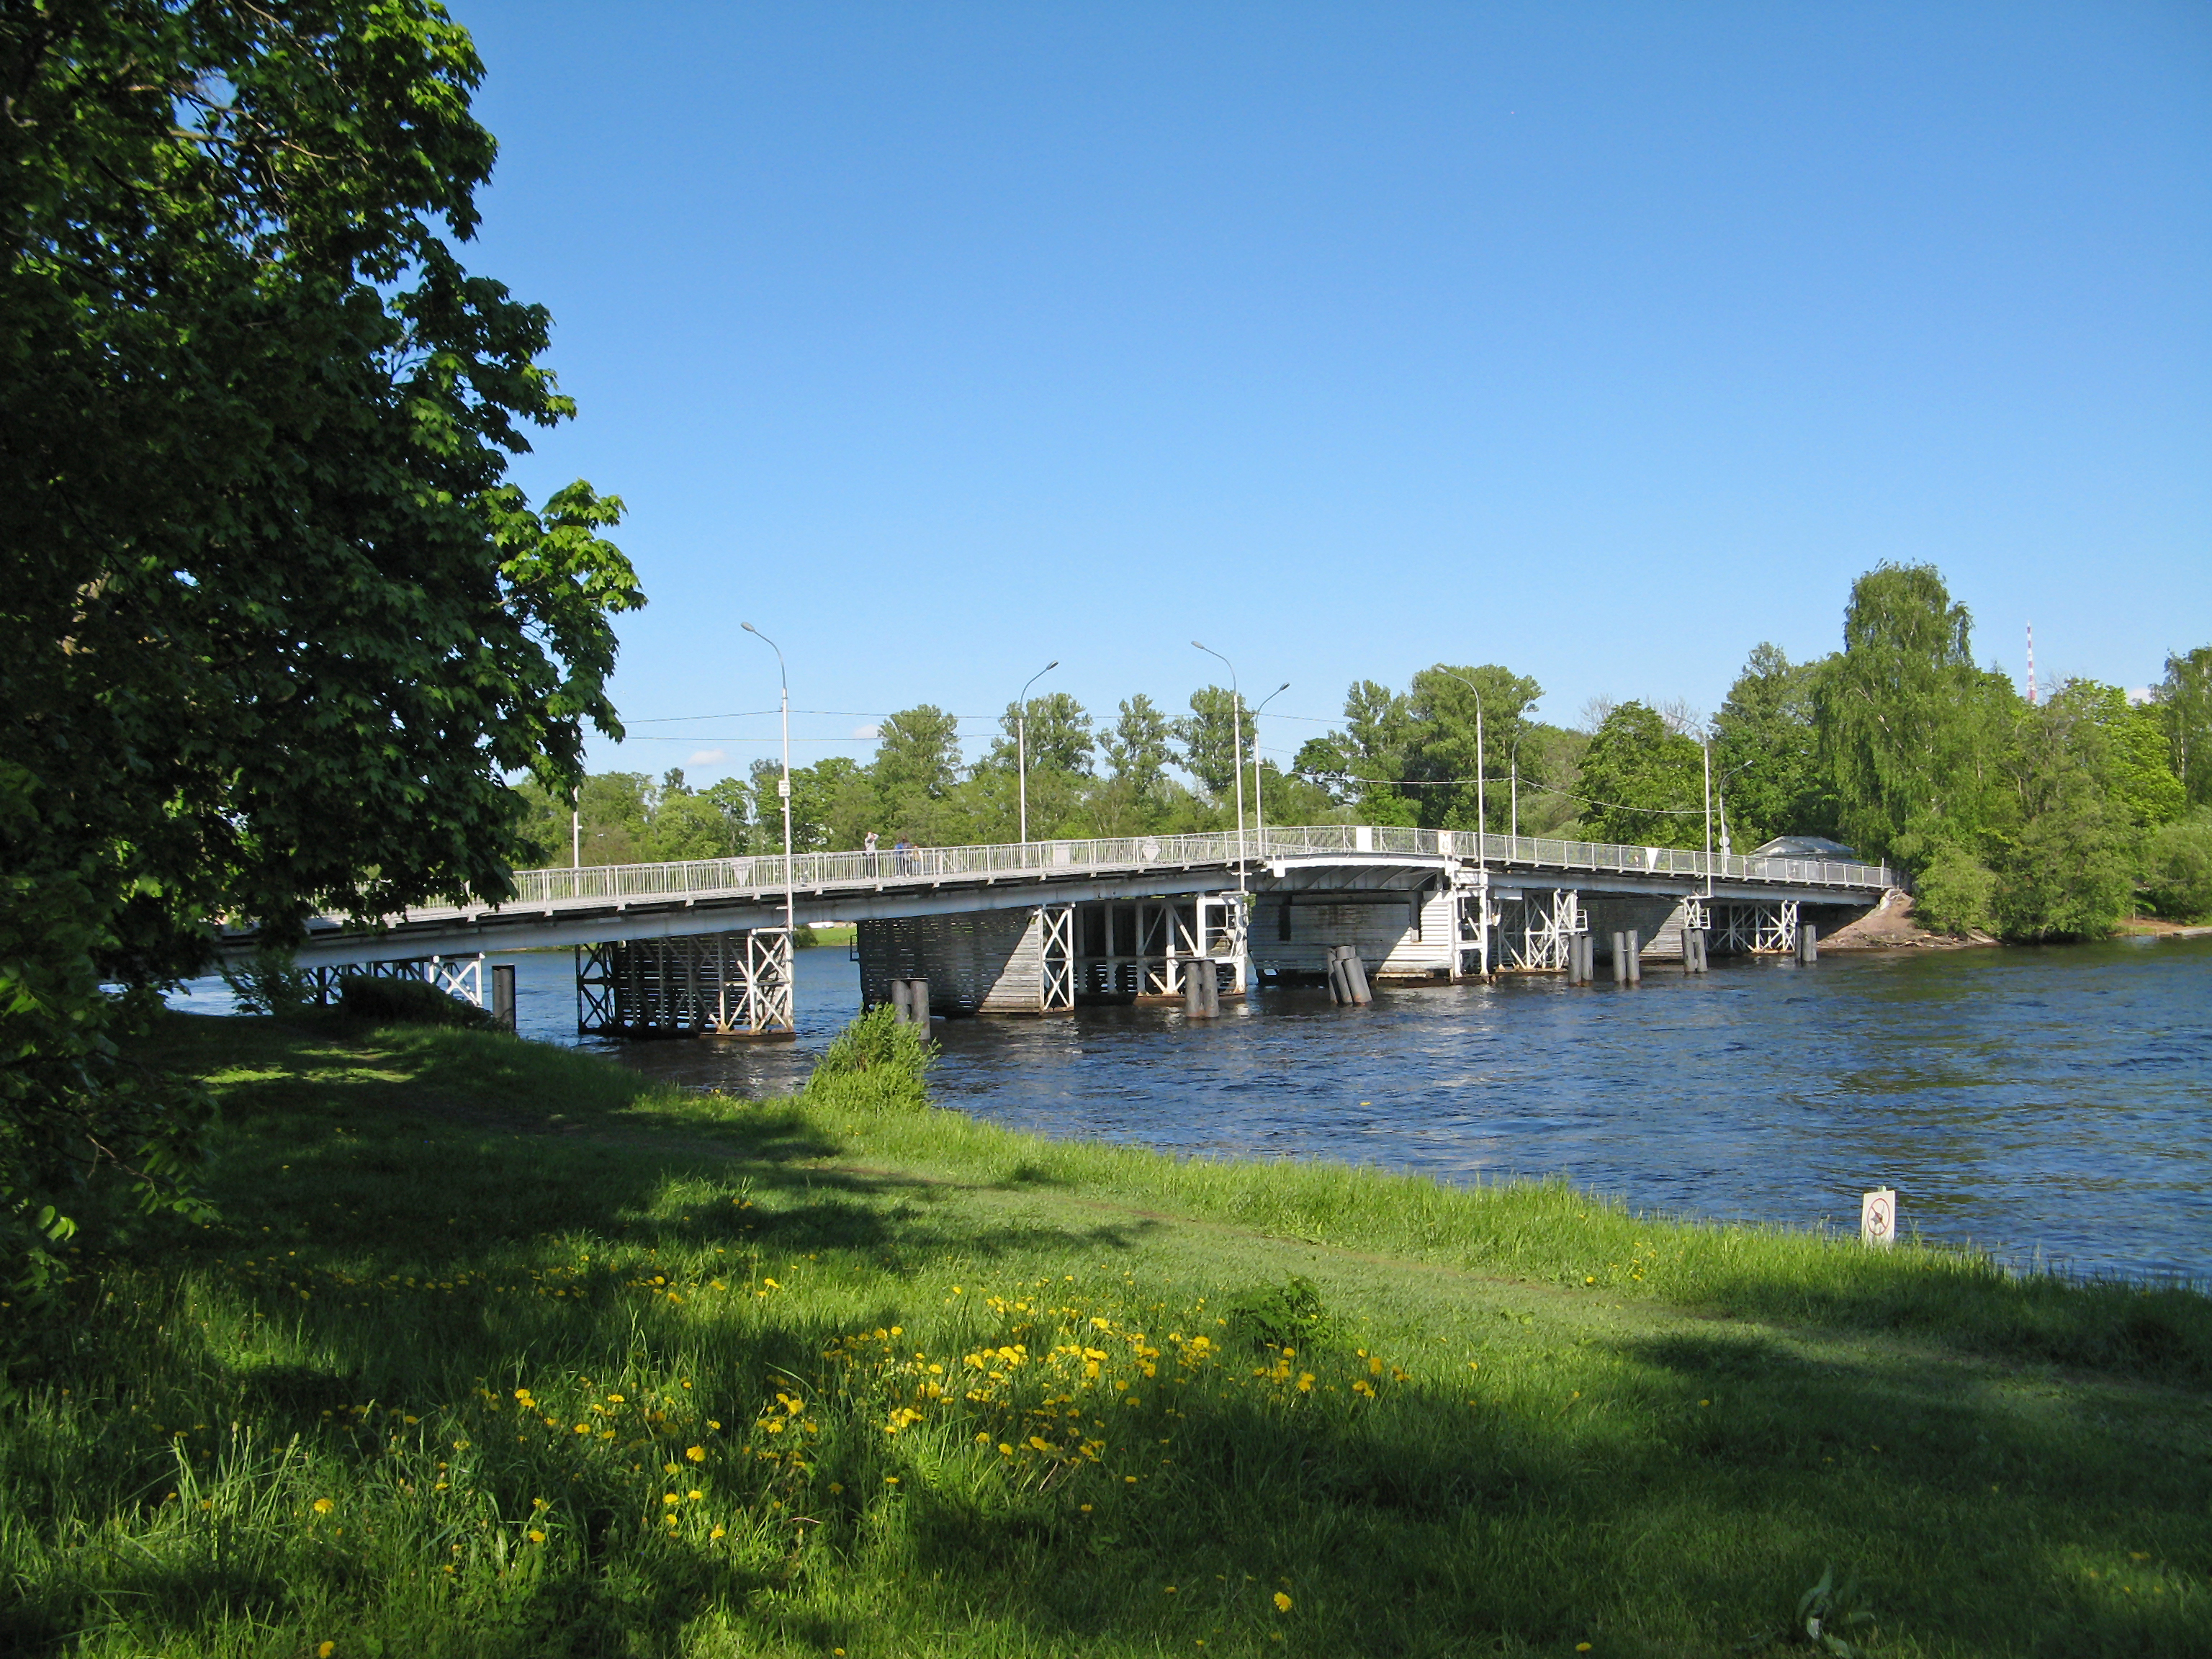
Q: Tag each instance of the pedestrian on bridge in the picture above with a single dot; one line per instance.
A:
(868, 846)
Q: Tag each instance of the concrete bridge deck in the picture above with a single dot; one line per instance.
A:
(612, 904)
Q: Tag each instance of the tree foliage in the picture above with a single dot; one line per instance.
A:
(2036, 822)
(1642, 783)
(1437, 740)
(278, 622)
(1218, 728)
(1909, 730)
(2177, 867)
(2184, 702)
(1767, 776)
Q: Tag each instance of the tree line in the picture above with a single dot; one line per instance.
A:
(2044, 820)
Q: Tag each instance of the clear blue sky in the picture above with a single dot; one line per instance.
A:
(1601, 341)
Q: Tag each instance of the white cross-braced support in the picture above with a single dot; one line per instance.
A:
(1056, 957)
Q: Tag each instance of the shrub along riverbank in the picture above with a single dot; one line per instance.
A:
(497, 1349)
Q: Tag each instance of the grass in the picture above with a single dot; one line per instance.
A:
(498, 1350)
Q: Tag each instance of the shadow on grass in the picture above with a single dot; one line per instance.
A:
(1678, 1497)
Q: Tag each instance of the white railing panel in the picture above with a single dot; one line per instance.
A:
(763, 873)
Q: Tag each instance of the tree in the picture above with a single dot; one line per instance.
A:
(1642, 784)
(1361, 766)
(1440, 742)
(2065, 862)
(1058, 736)
(2128, 752)
(2185, 700)
(2177, 867)
(1909, 731)
(917, 764)
(1766, 760)
(1209, 736)
(1138, 748)
(277, 625)
(684, 825)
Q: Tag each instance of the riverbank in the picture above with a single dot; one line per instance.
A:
(500, 1349)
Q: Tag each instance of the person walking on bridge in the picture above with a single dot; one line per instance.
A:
(868, 846)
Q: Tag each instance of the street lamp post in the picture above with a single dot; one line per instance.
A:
(1236, 728)
(1514, 833)
(1481, 810)
(1259, 803)
(1022, 743)
(783, 784)
(1706, 745)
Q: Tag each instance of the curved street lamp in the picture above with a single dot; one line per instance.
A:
(783, 784)
(1481, 812)
(1022, 742)
(1259, 803)
(1236, 728)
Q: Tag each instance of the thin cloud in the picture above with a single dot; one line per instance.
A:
(708, 756)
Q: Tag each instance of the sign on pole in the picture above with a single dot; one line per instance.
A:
(1878, 1217)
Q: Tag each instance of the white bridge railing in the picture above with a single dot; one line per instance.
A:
(1503, 855)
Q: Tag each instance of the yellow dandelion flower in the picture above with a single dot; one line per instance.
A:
(695, 1494)
(717, 1533)
(1282, 1603)
(326, 1650)
(536, 1536)
(696, 1454)
(324, 1506)
(669, 1497)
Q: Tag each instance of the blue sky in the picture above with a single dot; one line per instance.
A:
(1601, 341)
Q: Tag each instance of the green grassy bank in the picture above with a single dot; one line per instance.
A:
(498, 1349)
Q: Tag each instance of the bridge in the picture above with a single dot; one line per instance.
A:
(1040, 926)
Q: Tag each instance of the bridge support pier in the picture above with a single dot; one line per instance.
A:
(734, 984)
(1540, 939)
(460, 977)
(1747, 928)
(1047, 959)
(975, 962)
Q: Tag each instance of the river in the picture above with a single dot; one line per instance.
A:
(2049, 1104)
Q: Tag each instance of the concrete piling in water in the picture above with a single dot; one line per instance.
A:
(1355, 975)
(1635, 958)
(1347, 975)
(1808, 942)
(502, 995)
(910, 1002)
(1620, 959)
(1201, 989)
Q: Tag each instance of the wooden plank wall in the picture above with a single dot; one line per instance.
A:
(1399, 935)
(977, 962)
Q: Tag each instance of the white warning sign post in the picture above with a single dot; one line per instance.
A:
(1878, 1217)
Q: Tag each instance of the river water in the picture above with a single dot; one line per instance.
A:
(2051, 1104)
